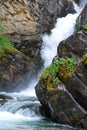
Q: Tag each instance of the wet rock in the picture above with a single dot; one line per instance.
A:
(14, 65)
(74, 45)
(82, 19)
(60, 106)
(77, 85)
(4, 98)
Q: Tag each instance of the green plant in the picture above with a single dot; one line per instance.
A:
(84, 26)
(58, 72)
(5, 44)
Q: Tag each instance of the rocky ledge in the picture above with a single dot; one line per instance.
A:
(62, 88)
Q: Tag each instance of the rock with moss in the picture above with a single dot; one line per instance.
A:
(57, 102)
(13, 65)
(77, 83)
(62, 91)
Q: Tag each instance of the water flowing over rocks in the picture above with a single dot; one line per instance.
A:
(66, 102)
(24, 22)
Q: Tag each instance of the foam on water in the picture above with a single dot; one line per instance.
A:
(64, 27)
(7, 116)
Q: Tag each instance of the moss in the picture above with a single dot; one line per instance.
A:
(7, 47)
(84, 59)
(67, 68)
(84, 26)
(58, 72)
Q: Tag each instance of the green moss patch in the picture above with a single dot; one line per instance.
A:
(84, 26)
(67, 68)
(58, 72)
(7, 47)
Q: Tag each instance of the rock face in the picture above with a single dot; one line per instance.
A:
(13, 65)
(62, 88)
(26, 21)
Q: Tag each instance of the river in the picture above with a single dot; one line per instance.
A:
(21, 111)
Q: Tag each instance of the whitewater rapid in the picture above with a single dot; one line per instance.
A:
(64, 28)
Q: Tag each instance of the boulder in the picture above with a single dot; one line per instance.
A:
(53, 91)
(74, 45)
(77, 85)
(59, 105)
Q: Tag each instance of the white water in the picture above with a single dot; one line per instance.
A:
(21, 108)
(64, 27)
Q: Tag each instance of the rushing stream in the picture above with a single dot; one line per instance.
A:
(21, 110)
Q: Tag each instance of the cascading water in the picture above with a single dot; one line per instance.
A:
(63, 29)
(20, 111)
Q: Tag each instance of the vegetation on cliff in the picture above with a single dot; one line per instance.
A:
(5, 44)
(58, 72)
(84, 26)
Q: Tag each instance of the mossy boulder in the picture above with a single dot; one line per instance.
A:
(58, 103)
(58, 72)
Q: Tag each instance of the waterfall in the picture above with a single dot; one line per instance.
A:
(20, 111)
(64, 27)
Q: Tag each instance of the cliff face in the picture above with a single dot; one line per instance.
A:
(62, 88)
(27, 20)
(24, 23)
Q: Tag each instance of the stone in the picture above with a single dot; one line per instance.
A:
(74, 45)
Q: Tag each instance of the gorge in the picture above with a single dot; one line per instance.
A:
(19, 106)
